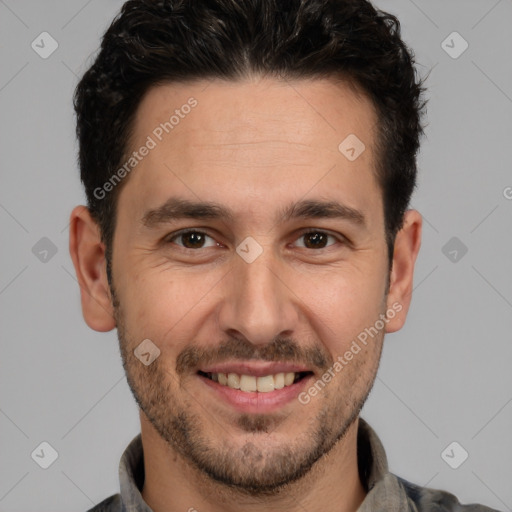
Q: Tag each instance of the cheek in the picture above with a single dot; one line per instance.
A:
(344, 305)
(160, 303)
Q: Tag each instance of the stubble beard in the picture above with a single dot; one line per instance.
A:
(249, 469)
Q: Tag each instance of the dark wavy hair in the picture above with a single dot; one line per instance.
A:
(163, 41)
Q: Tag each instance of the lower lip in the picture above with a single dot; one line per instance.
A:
(255, 402)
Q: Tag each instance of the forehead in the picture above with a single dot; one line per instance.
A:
(259, 137)
(314, 111)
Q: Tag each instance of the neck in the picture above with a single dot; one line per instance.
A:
(172, 484)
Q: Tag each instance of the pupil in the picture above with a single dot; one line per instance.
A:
(195, 239)
(318, 239)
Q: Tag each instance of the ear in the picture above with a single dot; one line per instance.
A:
(88, 255)
(407, 246)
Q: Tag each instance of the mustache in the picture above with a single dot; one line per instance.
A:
(279, 349)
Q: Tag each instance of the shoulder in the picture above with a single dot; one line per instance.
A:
(433, 500)
(111, 504)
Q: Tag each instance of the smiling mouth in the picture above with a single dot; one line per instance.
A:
(251, 383)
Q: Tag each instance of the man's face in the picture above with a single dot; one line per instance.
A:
(255, 148)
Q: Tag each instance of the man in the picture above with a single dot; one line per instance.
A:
(248, 167)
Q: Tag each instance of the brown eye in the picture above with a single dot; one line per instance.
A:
(192, 239)
(315, 239)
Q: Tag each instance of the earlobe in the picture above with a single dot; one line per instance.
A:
(88, 255)
(407, 246)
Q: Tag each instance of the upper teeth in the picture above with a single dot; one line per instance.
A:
(252, 383)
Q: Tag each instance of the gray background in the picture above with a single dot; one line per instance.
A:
(445, 377)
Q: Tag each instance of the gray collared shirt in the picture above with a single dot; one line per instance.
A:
(386, 492)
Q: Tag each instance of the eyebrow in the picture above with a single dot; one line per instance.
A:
(178, 208)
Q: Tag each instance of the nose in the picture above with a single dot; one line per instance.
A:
(258, 304)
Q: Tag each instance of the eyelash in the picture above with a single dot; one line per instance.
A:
(169, 239)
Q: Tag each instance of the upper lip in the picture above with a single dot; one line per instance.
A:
(254, 368)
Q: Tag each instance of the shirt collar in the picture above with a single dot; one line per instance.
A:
(383, 488)
(131, 477)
